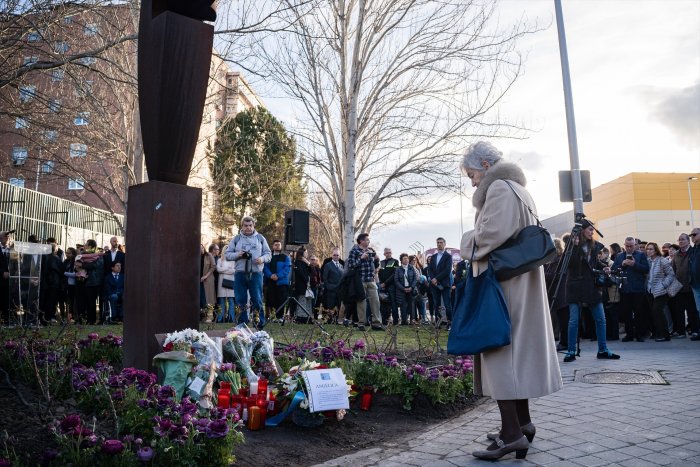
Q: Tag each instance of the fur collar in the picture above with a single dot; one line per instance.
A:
(500, 171)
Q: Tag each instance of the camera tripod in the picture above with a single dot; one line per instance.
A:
(291, 298)
(563, 266)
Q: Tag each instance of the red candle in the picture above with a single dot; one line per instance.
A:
(225, 385)
(224, 399)
(254, 418)
(243, 391)
(272, 404)
(366, 401)
(262, 387)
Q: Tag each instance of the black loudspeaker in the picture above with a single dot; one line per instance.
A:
(296, 227)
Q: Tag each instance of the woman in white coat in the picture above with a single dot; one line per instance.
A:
(528, 367)
(226, 271)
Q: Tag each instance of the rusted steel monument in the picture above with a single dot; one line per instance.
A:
(164, 214)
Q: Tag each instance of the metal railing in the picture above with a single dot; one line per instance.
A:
(31, 212)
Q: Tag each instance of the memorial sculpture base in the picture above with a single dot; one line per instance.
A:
(161, 292)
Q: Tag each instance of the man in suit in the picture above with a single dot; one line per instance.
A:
(114, 291)
(440, 272)
(332, 272)
(111, 256)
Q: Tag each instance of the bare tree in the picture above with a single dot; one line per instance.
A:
(390, 91)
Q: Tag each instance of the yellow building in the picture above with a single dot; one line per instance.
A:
(651, 206)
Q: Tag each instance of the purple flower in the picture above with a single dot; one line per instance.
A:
(164, 427)
(145, 454)
(166, 392)
(93, 336)
(187, 406)
(90, 440)
(359, 345)
(112, 446)
(217, 429)
(10, 345)
(5, 462)
(70, 423)
(226, 367)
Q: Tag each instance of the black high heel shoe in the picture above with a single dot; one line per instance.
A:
(528, 430)
(520, 447)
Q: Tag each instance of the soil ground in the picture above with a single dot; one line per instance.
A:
(285, 445)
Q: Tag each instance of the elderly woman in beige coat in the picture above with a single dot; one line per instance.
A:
(528, 367)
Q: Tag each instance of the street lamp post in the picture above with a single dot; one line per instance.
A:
(690, 198)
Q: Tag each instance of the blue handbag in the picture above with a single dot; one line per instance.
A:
(480, 319)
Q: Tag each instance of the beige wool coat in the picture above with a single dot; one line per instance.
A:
(209, 282)
(528, 367)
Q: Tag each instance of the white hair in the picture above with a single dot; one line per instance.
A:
(479, 152)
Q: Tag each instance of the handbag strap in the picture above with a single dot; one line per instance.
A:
(524, 203)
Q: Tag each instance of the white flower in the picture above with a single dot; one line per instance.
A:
(340, 414)
(304, 404)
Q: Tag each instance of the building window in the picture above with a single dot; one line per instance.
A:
(47, 167)
(19, 155)
(76, 183)
(678, 224)
(30, 60)
(21, 123)
(33, 36)
(78, 150)
(27, 93)
(83, 118)
(55, 105)
(61, 47)
(57, 74)
(90, 29)
(19, 181)
(50, 135)
(88, 60)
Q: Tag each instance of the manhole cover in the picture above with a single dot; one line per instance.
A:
(619, 377)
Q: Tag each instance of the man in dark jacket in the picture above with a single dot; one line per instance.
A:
(684, 302)
(94, 265)
(694, 272)
(4, 277)
(114, 292)
(387, 270)
(277, 274)
(440, 273)
(332, 272)
(635, 266)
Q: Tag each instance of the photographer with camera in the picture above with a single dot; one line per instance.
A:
(635, 266)
(250, 251)
(582, 289)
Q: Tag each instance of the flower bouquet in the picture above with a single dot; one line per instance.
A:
(264, 351)
(239, 343)
(184, 350)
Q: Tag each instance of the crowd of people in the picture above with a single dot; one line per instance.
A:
(640, 288)
(83, 284)
(247, 280)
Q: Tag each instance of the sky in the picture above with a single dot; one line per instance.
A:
(635, 76)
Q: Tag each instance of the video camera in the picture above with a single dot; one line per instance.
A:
(617, 276)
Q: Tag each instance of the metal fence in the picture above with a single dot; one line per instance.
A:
(31, 212)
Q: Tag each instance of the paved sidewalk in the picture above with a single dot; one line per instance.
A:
(583, 424)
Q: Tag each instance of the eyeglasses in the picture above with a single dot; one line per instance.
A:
(692, 235)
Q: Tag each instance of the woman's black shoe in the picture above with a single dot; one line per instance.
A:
(571, 357)
(608, 356)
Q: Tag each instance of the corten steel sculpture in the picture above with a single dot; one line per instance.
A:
(163, 214)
